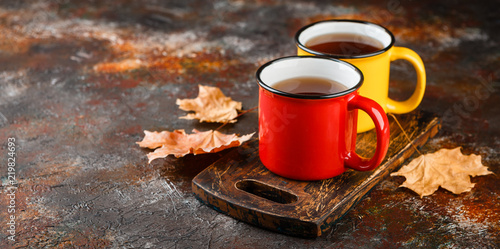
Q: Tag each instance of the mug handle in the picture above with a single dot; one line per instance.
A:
(377, 114)
(410, 104)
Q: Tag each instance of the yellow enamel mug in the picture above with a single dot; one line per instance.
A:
(375, 66)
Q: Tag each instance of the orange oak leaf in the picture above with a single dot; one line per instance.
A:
(179, 144)
(211, 105)
(449, 169)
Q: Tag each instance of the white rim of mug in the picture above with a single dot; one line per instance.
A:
(355, 87)
(340, 56)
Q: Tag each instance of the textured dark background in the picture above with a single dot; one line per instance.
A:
(81, 80)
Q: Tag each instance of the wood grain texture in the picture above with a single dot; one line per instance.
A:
(240, 186)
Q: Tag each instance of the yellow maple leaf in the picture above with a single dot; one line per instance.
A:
(211, 105)
(179, 144)
(449, 169)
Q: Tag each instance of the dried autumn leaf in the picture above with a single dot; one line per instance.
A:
(179, 144)
(211, 105)
(449, 169)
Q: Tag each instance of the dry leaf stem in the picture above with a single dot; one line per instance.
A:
(404, 132)
(239, 115)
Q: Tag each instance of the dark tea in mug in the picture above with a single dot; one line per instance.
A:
(310, 86)
(344, 44)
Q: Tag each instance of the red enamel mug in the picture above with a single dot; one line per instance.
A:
(313, 137)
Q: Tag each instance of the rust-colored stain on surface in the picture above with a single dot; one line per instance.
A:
(80, 81)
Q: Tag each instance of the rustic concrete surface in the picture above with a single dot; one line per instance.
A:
(80, 81)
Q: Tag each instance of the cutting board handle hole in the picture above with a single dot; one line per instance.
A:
(267, 192)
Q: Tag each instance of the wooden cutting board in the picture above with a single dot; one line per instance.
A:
(240, 186)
